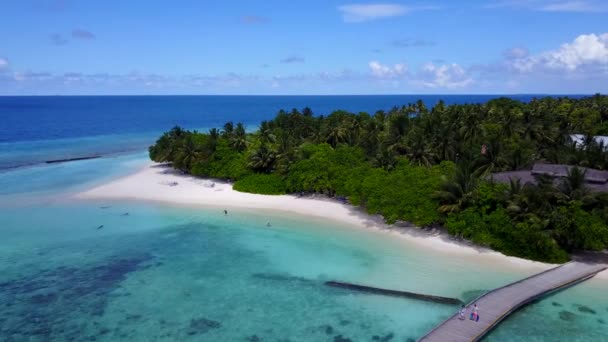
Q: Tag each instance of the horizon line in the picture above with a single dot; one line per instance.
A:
(253, 95)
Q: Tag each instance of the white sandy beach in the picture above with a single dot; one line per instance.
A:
(159, 183)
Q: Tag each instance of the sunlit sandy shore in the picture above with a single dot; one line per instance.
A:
(160, 183)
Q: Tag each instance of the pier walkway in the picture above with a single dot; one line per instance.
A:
(496, 305)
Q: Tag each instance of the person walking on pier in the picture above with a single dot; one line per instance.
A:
(462, 313)
(476, 312)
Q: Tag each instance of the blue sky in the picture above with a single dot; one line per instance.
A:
(303, 47)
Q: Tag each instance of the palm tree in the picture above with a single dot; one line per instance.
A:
(513, 196)
(163, 150)
(307, 112)
(418, 150)
(457, 193)
(187, 154)
(177, 133)
(570, 153)
(444, 139)
(228, 130)
(492, 160)
(214, 135)
(532, 128)
(601, 105)
(353, 128)
(385, 158)
(266, 135)
(370, 137)
(573, 185)
(595, 155)
(239, 138)
(540, 198)
(399, 124)
(380, 117)
(262, 159)
(336, 135)
(519, 158)
(470, 128)
(166, 147)
(420, 107)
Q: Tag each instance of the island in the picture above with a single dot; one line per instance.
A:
(470, 169)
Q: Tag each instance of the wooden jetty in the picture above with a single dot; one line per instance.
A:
(496, 305)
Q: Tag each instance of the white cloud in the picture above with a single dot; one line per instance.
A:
(58, 39)
(3, 63)
(516, 53)
(385, 71)
(69, 77)
(586, 51)
(82, 34)
(574, 6)
(31, 76)
(293, 59)
(408, 42)
(357, 13)
(580, 6)
(444, 76)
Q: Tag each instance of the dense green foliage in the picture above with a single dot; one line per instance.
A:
(265, 184)
(426, 166)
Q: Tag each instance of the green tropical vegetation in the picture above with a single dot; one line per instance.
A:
(427, 166)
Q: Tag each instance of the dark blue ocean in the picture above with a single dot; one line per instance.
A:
(28, 118)
(35, 129)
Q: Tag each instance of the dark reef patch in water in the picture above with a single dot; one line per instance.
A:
(364, 326)
(133, 317)
(387, 337)
(566, 316)
(42, 305)
(341, 338)
(585, 309)
(384, 338)
(556, 304)
(43, 299)
(202, 325)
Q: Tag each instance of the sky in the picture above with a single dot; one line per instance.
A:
(207, 47)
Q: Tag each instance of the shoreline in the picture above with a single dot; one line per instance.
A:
(162, 184)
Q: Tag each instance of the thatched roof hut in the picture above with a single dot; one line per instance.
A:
(596, 180)
(559, 170)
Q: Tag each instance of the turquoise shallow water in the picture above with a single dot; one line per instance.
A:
(156, 272)
(185, 274)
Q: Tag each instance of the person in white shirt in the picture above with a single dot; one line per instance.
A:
(463, 313)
